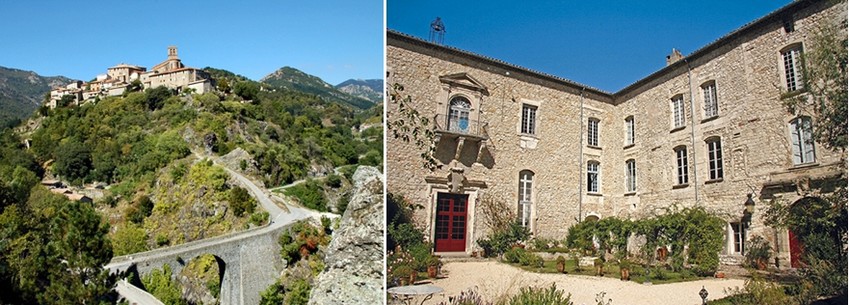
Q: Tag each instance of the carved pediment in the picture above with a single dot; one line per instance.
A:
(464, 80)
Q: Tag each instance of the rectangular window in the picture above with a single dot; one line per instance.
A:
(715, 160)
(630, 130)
(802, 144)
(592, 177)
(525, 180)
(710, 94)
(678, 112)
(529, 115)
(791, 61)
(682, 165)
(737, 237)
(593, 132)
(631, 176)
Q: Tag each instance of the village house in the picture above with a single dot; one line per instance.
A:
(170, 73)
(707, 130)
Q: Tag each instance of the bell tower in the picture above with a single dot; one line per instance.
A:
(172, 52)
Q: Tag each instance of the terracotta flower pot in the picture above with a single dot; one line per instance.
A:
(432, 272)
(720, 275)
(560, 266)
(412, 278)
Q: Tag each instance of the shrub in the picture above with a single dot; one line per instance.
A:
(512, 256)
(501, 240)
(259, 218)
(540, 296)
(310, 194)
(240, 201)
(758, 250)
(333, 180)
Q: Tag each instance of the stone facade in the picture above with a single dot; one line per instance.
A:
(483, 161)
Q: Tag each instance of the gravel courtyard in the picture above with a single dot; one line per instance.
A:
(492, 280)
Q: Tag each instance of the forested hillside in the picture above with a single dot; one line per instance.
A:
(21, 92)
(148, 148)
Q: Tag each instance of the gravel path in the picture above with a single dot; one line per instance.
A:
(494, 279)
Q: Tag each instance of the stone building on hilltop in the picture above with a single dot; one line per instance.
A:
(170, 73)
(708, 130)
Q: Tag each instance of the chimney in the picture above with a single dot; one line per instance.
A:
(674, 57)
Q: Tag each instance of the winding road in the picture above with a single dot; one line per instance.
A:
(279, 217)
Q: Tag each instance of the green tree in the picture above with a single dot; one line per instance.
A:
(246, 90)
(155, 98)
(824, 94)
(73, 160)
(130, 238)
(54, 250)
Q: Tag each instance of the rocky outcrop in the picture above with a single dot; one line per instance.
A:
(355, 260)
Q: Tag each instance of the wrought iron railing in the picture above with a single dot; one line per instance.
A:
(458, 125)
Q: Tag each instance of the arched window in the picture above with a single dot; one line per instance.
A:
(802, 144)
(792, 67)
(459, 114)
(525, 185)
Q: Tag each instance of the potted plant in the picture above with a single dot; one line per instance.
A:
(403, 274)
(433, 262)
(598, 263)
(758, 252)
(560, 262)
(625, 267)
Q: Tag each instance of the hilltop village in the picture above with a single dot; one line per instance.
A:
(170, 73)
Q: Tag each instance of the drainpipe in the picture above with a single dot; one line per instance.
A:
(693, 130)
(580, 153)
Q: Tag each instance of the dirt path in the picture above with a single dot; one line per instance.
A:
(493, 280)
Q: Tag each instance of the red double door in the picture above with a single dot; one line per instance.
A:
(450, 224)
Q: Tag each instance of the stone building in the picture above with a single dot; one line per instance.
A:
(170, 73)
(709, 130)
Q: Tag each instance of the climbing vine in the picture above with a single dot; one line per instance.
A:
(410, 126)
(695, 228)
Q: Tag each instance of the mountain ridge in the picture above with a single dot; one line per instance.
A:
(293, 79)
(22, 91)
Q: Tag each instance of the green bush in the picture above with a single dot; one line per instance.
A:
(502, 239)
(758, 250)
(240, 201)
(333, 180)
(540, 296)
(310, 194)
(259, 218)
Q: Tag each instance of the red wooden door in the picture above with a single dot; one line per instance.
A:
(796, 250)
(450, 223)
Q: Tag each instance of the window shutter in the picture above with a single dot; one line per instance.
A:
(808, 144)
(795, 142)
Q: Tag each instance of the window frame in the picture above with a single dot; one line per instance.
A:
(631, 176)
(678, 111)
(711, 107)
(528, 119)
(593, 132)
(802, 143)
(525, 197)
(594, 183)
(791, 58)
(715, 158)
(681, 165)
(630, 130)
(460, 111)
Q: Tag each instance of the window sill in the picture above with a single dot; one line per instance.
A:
(629, 146)
(790, 94)
(630, 193)
(594, 147)
(803, 165)
(714, 181)
(681, 186)
(528, 136)
(594, 194)
(677, 129)
(709, 119)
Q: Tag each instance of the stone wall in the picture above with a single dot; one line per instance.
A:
(752, 126)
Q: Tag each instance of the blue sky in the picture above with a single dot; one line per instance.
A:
(602, 44)
(335, 40)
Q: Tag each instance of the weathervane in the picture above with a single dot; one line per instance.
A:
(438, 31)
